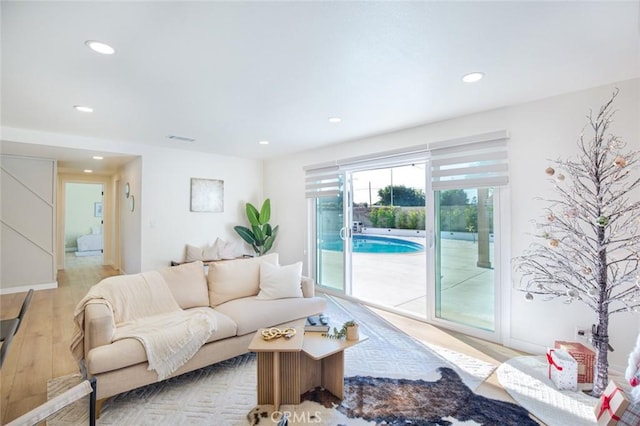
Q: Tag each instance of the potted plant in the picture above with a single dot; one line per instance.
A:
(349, 329)
(261, 235)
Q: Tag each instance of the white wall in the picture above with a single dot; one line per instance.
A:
(167, 222)
(541, 130)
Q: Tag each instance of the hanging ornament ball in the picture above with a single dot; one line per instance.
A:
(551, 217)
(592, 292)
(603, 221)
(550, 171)
(528, 297)
(586, 271)
(554, 243)
(560, 177)
(571, 213)
(620, 161)
(572, 293)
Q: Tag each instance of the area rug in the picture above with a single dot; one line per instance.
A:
(526, 379)
(384, 401)
(225, 392)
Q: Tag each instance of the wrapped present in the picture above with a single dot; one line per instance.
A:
(611, 405)
(585, 356)
(631, 416)
(563, 369)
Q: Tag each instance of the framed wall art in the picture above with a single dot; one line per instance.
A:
(207, 195)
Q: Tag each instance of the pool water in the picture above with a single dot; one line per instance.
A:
(373, 244)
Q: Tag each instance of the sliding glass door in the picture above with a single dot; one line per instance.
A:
(330, 242)
(416, 231)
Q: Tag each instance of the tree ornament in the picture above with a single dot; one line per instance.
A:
(551, 217)
(592, 292)
(620, 161)
(603, 221)
(550, 171)
(528, 297)
(571, 213)
(554, 243)
(560, 177)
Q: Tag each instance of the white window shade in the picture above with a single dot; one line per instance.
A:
(322, 181)
(471, 165)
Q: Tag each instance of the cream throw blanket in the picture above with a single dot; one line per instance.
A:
(144, 309)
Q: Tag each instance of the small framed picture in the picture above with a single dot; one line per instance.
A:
(97, 209)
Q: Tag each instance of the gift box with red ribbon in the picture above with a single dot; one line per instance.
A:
(611, 405)
(586, 358)
(563, 369)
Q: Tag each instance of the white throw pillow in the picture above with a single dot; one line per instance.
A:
(193, 254)
(280, 282)
(230, 250)
(212, 252)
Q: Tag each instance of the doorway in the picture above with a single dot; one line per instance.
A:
(83, 224)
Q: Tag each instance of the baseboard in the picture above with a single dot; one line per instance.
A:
(25, 288)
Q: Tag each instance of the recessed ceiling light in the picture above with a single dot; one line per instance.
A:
(263, 142)
(472, 77)
(335, 120)
(100, 47)
(88, 171)
(83, 108)
(97, 157)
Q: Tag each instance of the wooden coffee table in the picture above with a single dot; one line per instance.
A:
(288, 368)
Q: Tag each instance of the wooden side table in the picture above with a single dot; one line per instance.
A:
(323, 362)
(278, 367)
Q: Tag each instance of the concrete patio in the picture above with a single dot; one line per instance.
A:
(398, 281)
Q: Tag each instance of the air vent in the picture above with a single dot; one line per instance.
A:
(181, 138)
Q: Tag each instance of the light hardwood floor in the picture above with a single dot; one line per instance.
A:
(40, 351)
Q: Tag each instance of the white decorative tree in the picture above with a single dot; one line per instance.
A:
(587, 245)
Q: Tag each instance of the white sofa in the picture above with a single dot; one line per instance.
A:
(238, 293)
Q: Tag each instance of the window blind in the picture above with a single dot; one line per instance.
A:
(472, 162)
(480, 163)
(322, 181)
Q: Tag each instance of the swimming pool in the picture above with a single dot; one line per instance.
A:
(373, 244)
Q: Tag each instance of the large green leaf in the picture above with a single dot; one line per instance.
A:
(259, 235)
(252, 215)
(269, 242)
(267, 230)
(245, 233)
(265, 212)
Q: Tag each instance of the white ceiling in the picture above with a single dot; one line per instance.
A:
(232, 73)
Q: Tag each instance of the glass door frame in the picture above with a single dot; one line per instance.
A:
(500, 200)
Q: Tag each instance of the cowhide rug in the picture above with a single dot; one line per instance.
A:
(385, 401)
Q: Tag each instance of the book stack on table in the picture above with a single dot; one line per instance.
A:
(317, 323)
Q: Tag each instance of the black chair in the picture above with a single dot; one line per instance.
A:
(9, 327)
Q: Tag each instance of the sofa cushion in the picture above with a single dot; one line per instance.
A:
(234, 279)
(278, 282)
(126, 352)
(188, 284)
(251, 313)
